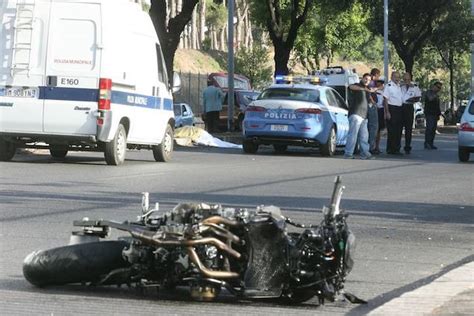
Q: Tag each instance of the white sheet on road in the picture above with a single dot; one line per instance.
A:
(191, 135)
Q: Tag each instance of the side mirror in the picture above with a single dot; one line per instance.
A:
(176, 83)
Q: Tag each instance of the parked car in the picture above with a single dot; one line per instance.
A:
(242, 99)
(183, 115)
(466, 132)
(300, 114)
(419, 116)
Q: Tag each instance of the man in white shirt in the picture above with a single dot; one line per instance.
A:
(411, 94)
(393, 100)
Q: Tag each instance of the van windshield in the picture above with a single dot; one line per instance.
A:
(297, 94)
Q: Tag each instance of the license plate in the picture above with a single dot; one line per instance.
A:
(279, 128)
(18, 92)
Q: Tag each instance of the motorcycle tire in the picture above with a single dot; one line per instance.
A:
(80, 263)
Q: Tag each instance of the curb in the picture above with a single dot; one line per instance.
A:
(437, 297)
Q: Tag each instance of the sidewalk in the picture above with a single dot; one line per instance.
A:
(450, 294)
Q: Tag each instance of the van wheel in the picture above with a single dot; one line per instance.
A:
(7, 150)
(329, 148)
(115, 150)
(463, 154)
(58, 152)
(164, 151)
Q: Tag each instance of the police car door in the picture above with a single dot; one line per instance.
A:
(72, 70)
(339, 108)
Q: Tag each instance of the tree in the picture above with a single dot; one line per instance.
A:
(282, 19)
(335, 30)
(253, 63)
(169, 30)
(412, 24)
(451, 39)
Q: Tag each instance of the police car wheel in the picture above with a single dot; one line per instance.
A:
(463, 154)
(280, 149)
(115, 150)
(164, 151)
(7, 150)
(249, 147)
(329, 148)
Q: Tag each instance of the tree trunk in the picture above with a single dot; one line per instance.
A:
(202, 22)
(409, 60)
(282, 55)
(194, 31)
(169, 31)
(222, 42)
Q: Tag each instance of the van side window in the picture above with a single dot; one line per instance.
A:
(161, 66)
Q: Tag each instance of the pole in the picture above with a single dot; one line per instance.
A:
(230, 65)
(385, 40)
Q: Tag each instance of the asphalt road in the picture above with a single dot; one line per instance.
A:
(413, 218)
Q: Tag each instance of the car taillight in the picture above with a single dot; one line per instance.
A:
(309, 111)
(466, 127)
(254, 108)
(105, 92)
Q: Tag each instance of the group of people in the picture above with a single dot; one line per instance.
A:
(374, 106)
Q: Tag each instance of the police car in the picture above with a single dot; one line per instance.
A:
(297, 111)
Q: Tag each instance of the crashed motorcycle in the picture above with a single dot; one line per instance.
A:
(208, 248)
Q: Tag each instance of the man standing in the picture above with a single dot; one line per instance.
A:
(372, 115)
(432, 113)
(411, 94)
(393, 100)
(358, 109)
(212, 98)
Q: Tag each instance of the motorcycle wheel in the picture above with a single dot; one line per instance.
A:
(299, 296)
(79, 263)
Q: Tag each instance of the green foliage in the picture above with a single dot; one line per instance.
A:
(206, 44)
(216, 14)
(253, 63)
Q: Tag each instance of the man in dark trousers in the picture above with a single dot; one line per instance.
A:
(212, 98)
(358, 109)
(432, 112)
(393, 100)
(411, 94)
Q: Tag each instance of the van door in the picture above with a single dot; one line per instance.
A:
(23, 30)
(73, 69)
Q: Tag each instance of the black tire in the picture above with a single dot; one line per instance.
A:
(280, 149)
(115, 150)
(249, 147)
(79, 263)
(164, 151)
(58, 152)
(329, 149)
(7, 150)
(299, 296)
(463, 154)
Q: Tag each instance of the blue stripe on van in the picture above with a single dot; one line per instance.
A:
(92, 95)
(71, 94)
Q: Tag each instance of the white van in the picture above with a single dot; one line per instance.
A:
(84, 75)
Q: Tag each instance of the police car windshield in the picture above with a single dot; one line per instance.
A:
(297, 94)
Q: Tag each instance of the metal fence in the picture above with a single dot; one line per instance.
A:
(192, 86)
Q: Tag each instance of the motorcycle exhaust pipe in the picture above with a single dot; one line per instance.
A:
(152, 238)
(209, 273)
(220, 220)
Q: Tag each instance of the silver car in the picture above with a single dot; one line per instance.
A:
(466, 132)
